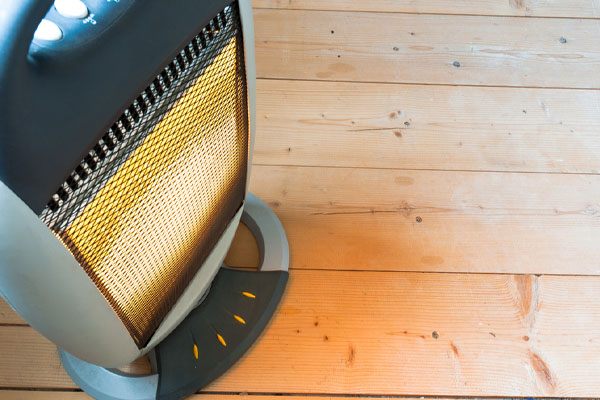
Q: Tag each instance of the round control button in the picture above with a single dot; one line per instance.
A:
(71, 8)
(48, 30)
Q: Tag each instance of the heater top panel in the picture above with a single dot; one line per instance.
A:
(59, 97)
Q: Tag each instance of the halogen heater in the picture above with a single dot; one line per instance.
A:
(126, 131)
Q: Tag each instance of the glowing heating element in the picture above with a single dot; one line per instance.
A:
(143, 236)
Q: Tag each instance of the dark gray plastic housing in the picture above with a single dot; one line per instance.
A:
(57, 99)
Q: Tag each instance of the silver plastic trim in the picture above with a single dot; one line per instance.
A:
(245, 7)
(269, 234)
(106, 384)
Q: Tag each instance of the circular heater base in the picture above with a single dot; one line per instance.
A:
(222, 327)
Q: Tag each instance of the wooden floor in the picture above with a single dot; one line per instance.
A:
(436, 166)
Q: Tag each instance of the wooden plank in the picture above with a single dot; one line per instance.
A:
(432, 49)
(427, 127)
(538, 8)
(385, 332)
(44, 395)
(367, 219)
(244, 250)
(8, 316)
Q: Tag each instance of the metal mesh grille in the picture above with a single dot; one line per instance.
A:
(148, 203)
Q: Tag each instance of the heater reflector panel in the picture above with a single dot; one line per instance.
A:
(147, 204)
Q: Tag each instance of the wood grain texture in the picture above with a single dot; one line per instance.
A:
(42, 395)
(382, 332)
(45, 395)
(368, 219)
(8, 315)
(243, 252)
(538, 8)
(427, 127)
(432, 49)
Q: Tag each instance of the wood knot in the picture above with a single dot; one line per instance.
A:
(543, 372)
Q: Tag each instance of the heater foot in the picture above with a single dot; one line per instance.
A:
(215, 334)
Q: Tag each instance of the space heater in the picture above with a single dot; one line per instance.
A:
(126, 132)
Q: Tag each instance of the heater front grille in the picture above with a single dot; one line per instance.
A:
(148, 203)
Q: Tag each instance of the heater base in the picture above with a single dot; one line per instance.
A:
(214, 335)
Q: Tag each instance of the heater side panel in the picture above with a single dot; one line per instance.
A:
(247, 19)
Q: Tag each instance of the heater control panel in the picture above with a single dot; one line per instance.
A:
(71, 8)
(69, 23)
(49, 31)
